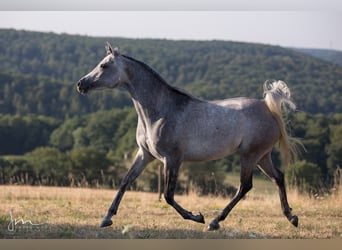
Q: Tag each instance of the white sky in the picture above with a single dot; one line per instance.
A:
(307, 29)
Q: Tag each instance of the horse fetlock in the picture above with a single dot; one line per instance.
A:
(214, 225)
(199, 218)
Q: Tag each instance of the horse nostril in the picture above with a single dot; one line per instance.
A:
(82, 87)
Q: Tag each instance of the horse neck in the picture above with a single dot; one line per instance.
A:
(151, 95)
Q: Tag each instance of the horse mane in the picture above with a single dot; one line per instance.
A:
(161, 79)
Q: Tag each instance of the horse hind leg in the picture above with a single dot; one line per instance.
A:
(171, 174)
(266, 166)
(246, 184)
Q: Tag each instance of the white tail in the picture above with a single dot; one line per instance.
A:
(278, 99)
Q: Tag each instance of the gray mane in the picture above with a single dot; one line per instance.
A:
(161, 79)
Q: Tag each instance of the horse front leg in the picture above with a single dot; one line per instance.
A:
(141, 160)
(171, 175)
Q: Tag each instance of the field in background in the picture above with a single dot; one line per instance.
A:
(54, 212)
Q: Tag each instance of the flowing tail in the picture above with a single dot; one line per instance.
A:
(278, 99)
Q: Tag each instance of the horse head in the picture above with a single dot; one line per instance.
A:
(109, 73)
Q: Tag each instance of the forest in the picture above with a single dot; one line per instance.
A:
(51, 135)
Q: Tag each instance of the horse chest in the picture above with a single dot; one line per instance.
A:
(155, 138)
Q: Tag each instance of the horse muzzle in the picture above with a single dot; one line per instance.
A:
(82, 87)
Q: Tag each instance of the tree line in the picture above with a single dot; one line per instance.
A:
(39, 71)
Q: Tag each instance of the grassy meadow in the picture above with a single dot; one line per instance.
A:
(55, 212)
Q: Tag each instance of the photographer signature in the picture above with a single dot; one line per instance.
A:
(13, 222)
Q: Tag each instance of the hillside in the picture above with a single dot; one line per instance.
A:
(333, 56)
(39, 71)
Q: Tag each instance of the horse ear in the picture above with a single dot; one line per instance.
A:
(109, 48)
(115, 52)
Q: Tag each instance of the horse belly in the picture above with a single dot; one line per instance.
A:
(211, 147)
(212, 133)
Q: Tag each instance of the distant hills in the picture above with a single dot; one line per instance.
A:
(38, 71)
(333, 56)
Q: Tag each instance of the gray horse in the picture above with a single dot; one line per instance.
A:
(174, 126)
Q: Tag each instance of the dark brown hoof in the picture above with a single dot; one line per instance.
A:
(199, 218)
(106, 222)
(294, 220)
(214, 225)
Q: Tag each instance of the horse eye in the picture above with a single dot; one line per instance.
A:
(103, 65)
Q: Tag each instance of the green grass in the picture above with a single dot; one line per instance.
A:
(76, 213)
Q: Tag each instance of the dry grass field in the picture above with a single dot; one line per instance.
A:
(54, 212)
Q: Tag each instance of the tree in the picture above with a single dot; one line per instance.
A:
(51, 167)
(306, 176)
(205, 178)
(88, 165)
(20, 134)
(334, 148)
(314, 132)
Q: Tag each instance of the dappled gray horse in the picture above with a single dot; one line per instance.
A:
(174, 126)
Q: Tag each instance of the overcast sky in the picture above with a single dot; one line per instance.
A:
(307, 29)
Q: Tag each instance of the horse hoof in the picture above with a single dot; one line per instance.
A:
(106, 222)
(294, 220)
(214, 225)
(199, 218)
